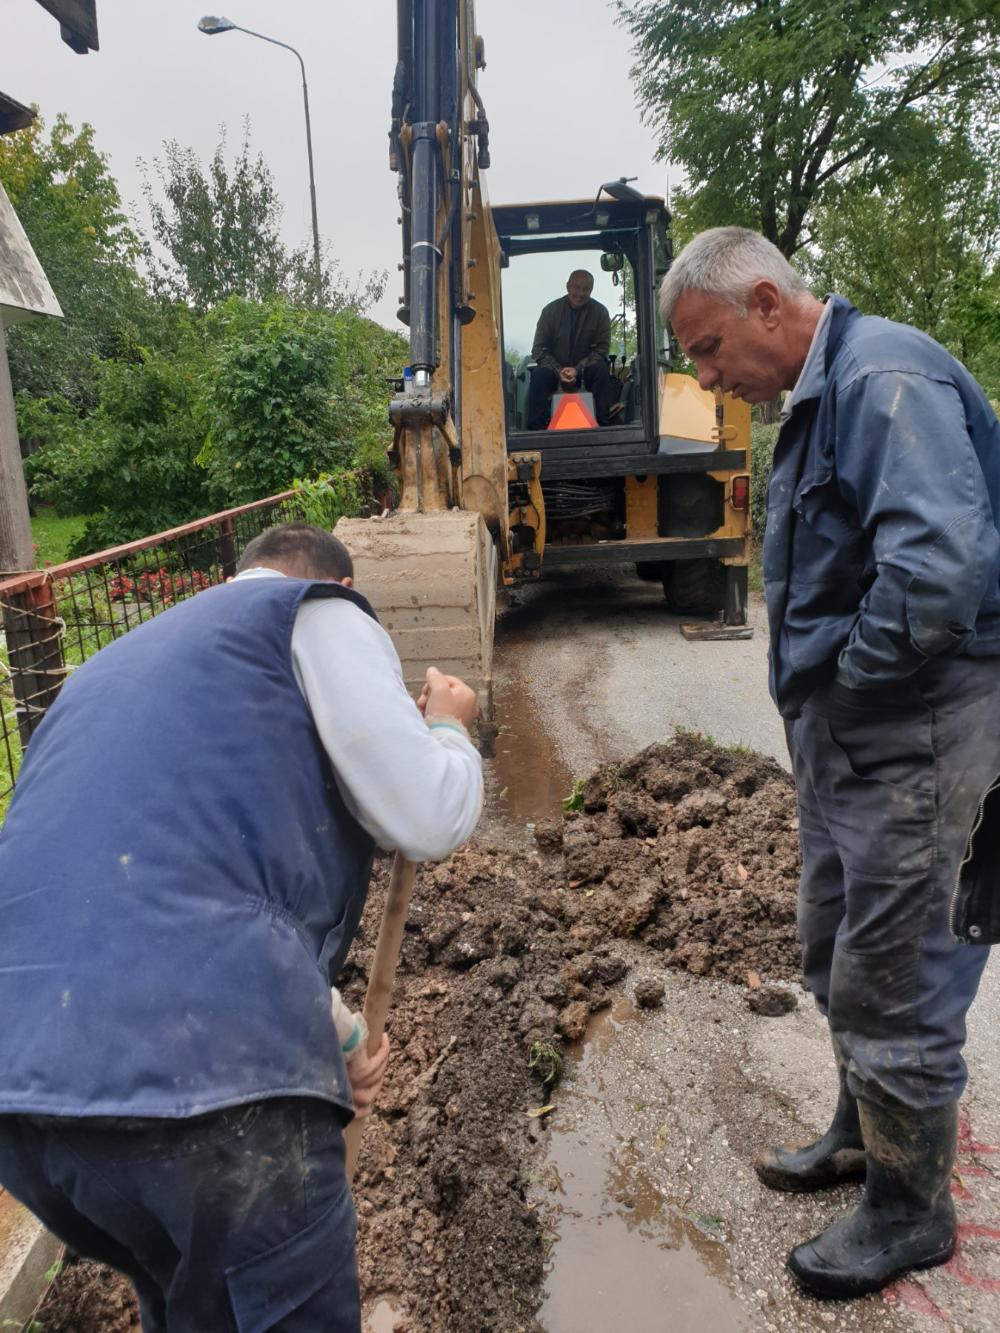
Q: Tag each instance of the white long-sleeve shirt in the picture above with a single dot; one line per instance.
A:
(414, 788)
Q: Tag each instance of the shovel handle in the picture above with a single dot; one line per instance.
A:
(379, 993)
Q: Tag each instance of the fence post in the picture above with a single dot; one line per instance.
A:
(34, 651)
(16, 549)
(227, 548)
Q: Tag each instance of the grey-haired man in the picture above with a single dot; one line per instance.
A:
(882, 579)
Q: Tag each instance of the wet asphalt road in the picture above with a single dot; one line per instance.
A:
(658, 1221)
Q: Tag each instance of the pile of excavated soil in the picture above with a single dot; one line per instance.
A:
(689, 849)
(695, 850)
(88, 1298)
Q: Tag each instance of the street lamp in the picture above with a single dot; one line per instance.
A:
(212, 24)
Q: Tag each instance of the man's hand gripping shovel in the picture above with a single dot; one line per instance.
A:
(443, 696)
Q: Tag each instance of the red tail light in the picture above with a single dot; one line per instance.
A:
(741, 492)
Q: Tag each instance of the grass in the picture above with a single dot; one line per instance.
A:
(755, 572)
(546, 1061)
(53, 536)
(8, 764)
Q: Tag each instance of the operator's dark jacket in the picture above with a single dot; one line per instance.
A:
(180, 878)
(882, 547)
(552, 347)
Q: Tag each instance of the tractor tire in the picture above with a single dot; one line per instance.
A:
(651, 571)
(695, 587)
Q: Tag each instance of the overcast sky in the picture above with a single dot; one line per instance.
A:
(559, 100)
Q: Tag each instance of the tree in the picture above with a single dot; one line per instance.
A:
(925, 248)
(147, 411)
(337, 292)
(768, 105)
(218, 227)
(70, 208)
(624, 335)
(219, 233)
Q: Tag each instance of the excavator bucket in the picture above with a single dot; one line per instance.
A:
(431, 579)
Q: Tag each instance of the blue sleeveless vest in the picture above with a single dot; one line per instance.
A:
(179, 877)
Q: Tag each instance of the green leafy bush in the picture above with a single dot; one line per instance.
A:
(130, 464)
(232, 408)
(373, 356)
(331, 496)
(293, 392)
(762, 442)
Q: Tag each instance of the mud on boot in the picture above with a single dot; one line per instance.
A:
(906, 1218)
(802, 1168)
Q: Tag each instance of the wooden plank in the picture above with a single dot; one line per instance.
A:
(14, 116)
(696, 630)
(78, 20)
(24, 289)
(17, 553)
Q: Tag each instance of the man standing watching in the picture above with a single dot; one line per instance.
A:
(571, 346)
(881, 561)
(182, 870)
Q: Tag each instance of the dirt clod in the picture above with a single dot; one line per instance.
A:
(573, 1020)
(89, 1298)
(771, 1001)
(649, 992)
(549, 835)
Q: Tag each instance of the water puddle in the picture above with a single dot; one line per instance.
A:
(626, 1255)
(386, 1317)
(527, 779)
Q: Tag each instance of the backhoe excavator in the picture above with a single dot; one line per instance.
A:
(485, 502)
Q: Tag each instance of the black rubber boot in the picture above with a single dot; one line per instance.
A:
(906, 1218)
(802, 1168)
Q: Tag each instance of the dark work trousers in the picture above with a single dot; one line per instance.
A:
(888, 793)
(239, 1220)
(545, 382)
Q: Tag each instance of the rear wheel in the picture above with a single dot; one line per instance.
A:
(695, 587)
(651, 571)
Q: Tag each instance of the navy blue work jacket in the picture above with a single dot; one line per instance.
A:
(882, 547)
(180, 878)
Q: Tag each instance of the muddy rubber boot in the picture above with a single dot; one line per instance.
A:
(802, 1168)
(906, 1218)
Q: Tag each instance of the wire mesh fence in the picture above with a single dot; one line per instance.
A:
(52, 620)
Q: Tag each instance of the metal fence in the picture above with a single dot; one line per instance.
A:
(54, 619)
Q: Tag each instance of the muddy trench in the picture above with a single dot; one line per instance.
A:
(479, 1208)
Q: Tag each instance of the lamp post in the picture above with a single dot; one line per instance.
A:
(212, 24)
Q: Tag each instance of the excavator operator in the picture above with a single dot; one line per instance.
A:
(571, 345)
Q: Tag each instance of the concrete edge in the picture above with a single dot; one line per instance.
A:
(27, 1252)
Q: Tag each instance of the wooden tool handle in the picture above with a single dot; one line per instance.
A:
(379, 993)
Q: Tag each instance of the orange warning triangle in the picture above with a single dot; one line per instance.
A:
(572, 413)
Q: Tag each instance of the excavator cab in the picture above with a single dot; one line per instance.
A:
(542, 244)
(664, 482)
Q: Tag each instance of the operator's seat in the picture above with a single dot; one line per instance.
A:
(521, 384)
(628, 397)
